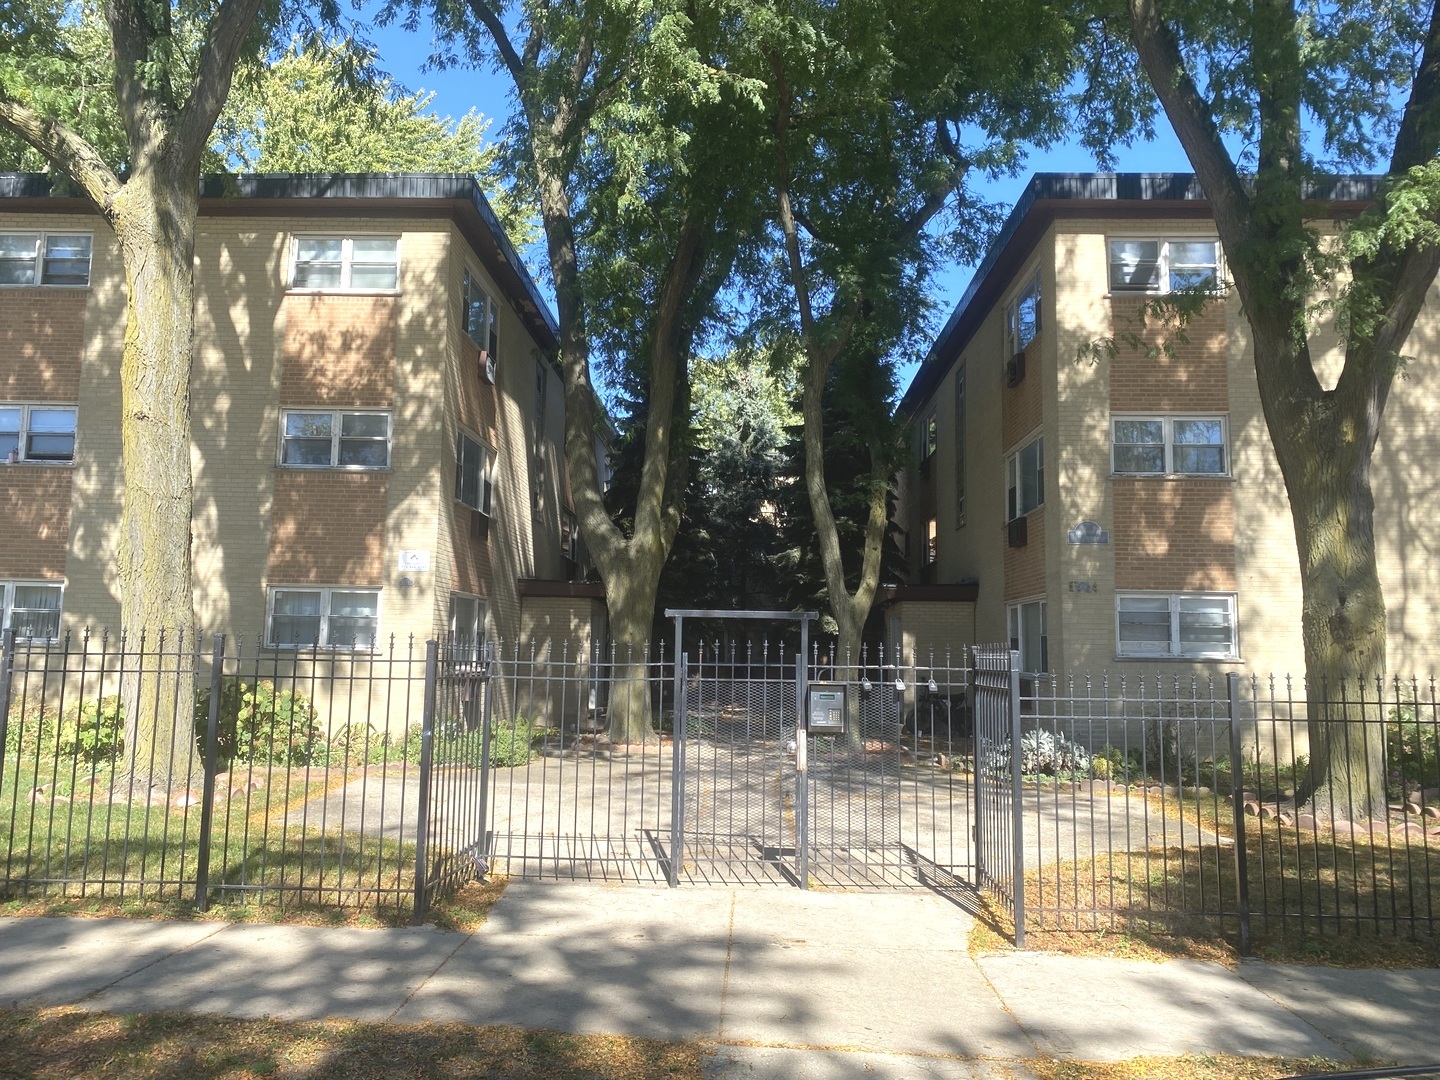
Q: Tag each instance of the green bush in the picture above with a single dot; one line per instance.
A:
(30, 729)
(510, 743)
(261, 725)
(93, 732)
(1412, 751)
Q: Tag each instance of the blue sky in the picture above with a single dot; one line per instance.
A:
(457, 91)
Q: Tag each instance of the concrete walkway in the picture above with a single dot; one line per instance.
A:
(782, 983)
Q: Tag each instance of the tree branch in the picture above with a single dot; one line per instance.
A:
(223, 42)
(496, 27)
(71, 154)
(1419, 132)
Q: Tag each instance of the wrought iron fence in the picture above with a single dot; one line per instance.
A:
(149, 766)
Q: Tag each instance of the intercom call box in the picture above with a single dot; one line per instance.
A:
(825, 708)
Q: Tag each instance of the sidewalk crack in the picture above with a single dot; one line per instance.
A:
(725, 978)
(146, 967)
(426, 981)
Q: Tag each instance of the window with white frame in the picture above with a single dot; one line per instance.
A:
(1029, 635)
(569, 536)
(31, 609)
(1158, 266)
(1169, 445)
(1192, 625)
(334, 439)
(43, 434)
(359, 263)
(39, 258)
(467, 624)
(478, 313)
(474, 473)
(330, 618)
(1022, 316)
(1025, 479)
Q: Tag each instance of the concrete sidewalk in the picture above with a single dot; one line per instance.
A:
(879, 984)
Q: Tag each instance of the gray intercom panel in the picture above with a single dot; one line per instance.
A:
(825, 708)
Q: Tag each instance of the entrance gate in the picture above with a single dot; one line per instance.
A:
(735, 790)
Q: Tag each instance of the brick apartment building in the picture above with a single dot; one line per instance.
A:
(1126, 512)
(377, 423)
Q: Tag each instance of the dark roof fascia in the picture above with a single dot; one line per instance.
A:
(339, 194)
(961, 592)
(1049, 196)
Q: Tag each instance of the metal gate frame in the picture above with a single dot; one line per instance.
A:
(999, 806)
(677, 769)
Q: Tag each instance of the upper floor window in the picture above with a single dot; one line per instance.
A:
(929, 437)
(329, 439)
(1160, 445)
(36, 258)
(37, 433)
(1022, 316)
(1025, 480)
(361, 263)
(1164, 265)
(569, 536)
(340, 618)
(478, 313)
(932, 542)
(474, 473)
(467, 626)
(1195, 625)
(31, 609)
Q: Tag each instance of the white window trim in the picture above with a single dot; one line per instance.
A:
(346, 262)
(1012, 460)
(1162, 286)
(1174, 652)
(41, 236)
(1014, 607)
(335, 418)
(1168, 420)
(569, 547)
(7, 605)
(26, 407)
(487, 474)
(481, 628)
(1012, 312)
(325, 592)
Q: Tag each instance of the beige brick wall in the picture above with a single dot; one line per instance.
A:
(1174, 534)
(328, 528)
(339, 350)
(1168, 374)
(42, 336)
(34, 521)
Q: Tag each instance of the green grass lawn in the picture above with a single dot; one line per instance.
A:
(70, 840)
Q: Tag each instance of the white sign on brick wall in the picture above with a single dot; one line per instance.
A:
(415, 560)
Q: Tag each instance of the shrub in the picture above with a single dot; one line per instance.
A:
(94, 731)
(1045, 753)
(30, 729)
(510, 743)
(261, 725)
(1412, 751)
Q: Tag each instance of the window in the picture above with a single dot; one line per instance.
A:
(569, 536)
(542, 385)
(1025, 480)
(62, 258)
(1028, 634)
(960, 446)
(478, 314)
(335, 440)
(1022, 317)
(929, 437)
(932, 542)
(346, 262)
(37, 433)
(1180, 624)
(31, 609)
(474, 473)
(1156, 446)
(1164, 265)
(467, 625)
(324, 618)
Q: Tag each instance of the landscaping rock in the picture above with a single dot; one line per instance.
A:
(1252, 808)
(37, 795)
(1249, 796)
(1268, 813)
(1412, 808)
(1286, 819)
(1431, 811)
(1430, 795)
(184, 799)
(1305, 821)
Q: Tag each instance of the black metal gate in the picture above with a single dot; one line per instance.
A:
(999, 837)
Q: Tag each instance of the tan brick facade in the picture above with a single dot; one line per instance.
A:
(34, 521)
(1174, 535)
(328, 528)
(339, 350)
(42, 337)
(1169, 374)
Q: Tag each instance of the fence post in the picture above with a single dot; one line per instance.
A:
(1237, 786)
(7, 674)
(976, 703)
(207, 798)
(487, 686)
(427, 756)
(1017, 805)
(677, 756)
(802, 752)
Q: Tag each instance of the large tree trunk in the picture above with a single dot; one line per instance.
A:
(154, 217)
(630, 592)
(1342, 622)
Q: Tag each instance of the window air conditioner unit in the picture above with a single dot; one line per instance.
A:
(479, 524)
(1015, 370)
(486, 363)
(1019, 532)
